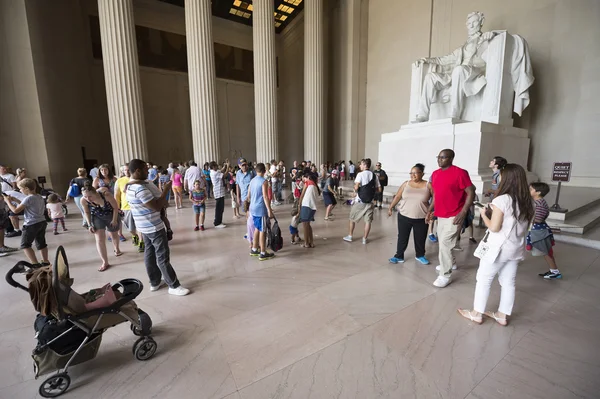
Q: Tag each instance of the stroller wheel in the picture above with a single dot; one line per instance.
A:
(145, 328)
(55, 386)
(144, 348)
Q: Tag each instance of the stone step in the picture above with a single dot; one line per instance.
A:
(581, 223)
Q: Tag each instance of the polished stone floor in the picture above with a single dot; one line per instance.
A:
(336, 321)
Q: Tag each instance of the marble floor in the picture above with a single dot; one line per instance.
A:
(337, 321)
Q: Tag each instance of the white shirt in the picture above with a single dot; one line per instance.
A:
(351, 168)
(365, 178)
(10, 178)
(310, 197)
(94, 173)
(272, 171)
(191, 175)
(512, 240)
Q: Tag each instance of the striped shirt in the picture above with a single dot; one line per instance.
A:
(146, 219)
(542, 211)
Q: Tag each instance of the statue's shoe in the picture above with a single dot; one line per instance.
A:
(420, 119)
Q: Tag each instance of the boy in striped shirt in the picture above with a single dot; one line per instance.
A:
(540, 239)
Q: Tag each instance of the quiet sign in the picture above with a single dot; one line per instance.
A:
(561, 171)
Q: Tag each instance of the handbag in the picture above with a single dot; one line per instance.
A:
(489, 251)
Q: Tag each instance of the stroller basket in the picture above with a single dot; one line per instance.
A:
(47, 360)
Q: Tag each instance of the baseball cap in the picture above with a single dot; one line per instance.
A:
(241, 161)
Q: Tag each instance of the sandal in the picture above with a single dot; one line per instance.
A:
(118, 253)
(467, 315)
(103, 268)
(500, 320)
(307, 246)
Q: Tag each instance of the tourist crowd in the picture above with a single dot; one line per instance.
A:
(515, 218)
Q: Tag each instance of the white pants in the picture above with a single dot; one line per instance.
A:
(506, 271)
(447, 233)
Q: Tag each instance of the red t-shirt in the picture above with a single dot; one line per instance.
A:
(449, 190)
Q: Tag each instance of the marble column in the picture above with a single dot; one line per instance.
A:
(314, 84)
(265, 81)
(122, 79)
(201, 73)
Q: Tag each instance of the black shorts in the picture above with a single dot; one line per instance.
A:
(329, 198)
(34, 232)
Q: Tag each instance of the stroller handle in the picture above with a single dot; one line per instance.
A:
(21, 267)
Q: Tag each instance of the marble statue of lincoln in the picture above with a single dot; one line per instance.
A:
(462, 71)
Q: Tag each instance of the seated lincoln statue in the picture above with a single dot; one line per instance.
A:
(461, 75)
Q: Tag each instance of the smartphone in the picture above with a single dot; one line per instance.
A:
(478, 204)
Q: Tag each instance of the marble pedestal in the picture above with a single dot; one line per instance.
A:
(475, 144)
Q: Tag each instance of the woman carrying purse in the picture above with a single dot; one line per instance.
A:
(503, 246)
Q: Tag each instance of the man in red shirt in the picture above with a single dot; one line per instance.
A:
(453, 194)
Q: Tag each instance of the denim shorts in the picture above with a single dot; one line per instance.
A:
(198, 209)
(307, 214)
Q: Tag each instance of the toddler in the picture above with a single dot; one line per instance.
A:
(294, 226)
(198, 198)
(34, 226)
(235, 205)
(55, 210)
(540, 239)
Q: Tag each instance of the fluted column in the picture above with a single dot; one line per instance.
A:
(314, 90)
(122, 79)
(201, 74)
(265, 81)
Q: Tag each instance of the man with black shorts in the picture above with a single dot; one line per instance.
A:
(329, 190)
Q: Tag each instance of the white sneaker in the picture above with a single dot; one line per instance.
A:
(438, 267)
(442, 281)
(179, 291)
(157, 287)
(221, 226)
(364, 241)
(347, 238)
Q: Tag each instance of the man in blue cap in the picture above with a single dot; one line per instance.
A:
(242, 179)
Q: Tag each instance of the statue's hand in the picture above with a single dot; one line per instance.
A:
(487, 36)
(421, 61)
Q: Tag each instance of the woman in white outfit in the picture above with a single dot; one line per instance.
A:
(511, 212)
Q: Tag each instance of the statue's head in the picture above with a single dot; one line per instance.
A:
(475, 22)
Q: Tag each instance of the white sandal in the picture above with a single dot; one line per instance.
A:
(500, 320)
(467, 315)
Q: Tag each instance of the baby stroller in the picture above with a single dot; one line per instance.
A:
(70, 327)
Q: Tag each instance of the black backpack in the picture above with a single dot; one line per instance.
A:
(367, 193)
(383, 182)
(274, 238)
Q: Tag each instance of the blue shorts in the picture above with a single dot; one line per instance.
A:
(307, 214)
(198, 209)
(293, 230)
(260, 223)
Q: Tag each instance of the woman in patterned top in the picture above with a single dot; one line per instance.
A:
(101, 213)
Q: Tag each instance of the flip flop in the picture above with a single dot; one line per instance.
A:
(500, 320)
(118, 253)
(103, 268)
(467, 315)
